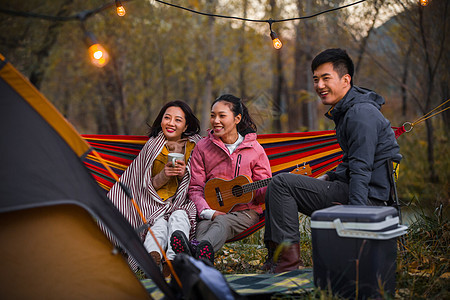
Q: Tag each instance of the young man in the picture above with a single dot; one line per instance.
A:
(368, 142)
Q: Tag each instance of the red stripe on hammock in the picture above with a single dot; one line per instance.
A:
(101, 170)
(328, 168)
(295, 134)
(291, 158)
(103, 181)
(281, 149)
(116, 159)
(114, 137)
(118, 149)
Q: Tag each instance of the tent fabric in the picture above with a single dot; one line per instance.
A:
(41, 166)
(67, 266)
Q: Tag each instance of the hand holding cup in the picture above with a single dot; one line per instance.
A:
(173, 157)
(179, 169)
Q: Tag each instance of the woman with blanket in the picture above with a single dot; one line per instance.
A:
(159, 187)
(229, 150)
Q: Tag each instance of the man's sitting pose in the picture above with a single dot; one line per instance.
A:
(367, 142)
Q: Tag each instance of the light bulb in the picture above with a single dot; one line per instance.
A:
(120, 9)
(424, 2)
(98, 55)
(275, 40)
(277, 43)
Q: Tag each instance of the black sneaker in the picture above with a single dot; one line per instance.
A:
(180, 243)
(205, 251)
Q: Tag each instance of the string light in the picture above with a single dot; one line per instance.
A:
(100, 57)
(275, 40)
(424, 2)
(97, 54)
(89, 13)
(120, 9)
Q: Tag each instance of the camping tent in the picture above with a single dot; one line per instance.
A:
(51, 246)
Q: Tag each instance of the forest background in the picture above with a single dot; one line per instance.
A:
(160, 53)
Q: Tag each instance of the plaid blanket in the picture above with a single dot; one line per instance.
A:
(293, 282)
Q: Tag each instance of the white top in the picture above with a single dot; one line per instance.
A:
(232, 147)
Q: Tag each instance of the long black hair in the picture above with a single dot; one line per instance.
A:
(193, 124)
(246, 125)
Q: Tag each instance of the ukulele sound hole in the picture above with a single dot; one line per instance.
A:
(237, 191)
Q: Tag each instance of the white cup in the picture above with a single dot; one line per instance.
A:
(173, 157)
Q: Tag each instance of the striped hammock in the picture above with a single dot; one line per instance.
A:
(309, 153)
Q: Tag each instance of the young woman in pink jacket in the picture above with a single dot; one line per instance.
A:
(229, 150)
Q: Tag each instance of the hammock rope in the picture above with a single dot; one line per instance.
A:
(408, 126)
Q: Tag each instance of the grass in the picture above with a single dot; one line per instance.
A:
(248, 255)
(423, 270)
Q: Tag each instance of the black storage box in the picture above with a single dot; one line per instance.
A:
(355, 250)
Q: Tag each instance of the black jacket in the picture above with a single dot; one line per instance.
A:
(368, 142)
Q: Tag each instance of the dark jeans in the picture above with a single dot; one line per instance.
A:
(288, 194)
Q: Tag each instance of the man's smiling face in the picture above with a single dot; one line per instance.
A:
(329, 85)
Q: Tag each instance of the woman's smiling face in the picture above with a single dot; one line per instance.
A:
(223, 122)
(173, 123)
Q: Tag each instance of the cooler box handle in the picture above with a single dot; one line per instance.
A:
(382, 235)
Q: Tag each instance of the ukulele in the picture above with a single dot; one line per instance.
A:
(223, 195)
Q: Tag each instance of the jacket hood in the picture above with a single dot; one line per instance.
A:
(354, 96)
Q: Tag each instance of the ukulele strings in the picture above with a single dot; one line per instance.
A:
(226, 195)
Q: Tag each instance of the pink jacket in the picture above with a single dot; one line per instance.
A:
(211, 159)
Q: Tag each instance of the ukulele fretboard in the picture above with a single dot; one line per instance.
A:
(249, 187)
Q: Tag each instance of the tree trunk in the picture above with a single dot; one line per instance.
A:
(363, 43)
(430, 151)
(120, 96)
(38, 69)
(277, 91)
(295, 117)
(208, 95)
(163, 78)
(242, 60)
(277, 79)
(110, 96)
(405, 79)
(430, 75)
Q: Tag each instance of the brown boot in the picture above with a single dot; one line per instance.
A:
(269, 264)
(289, 259)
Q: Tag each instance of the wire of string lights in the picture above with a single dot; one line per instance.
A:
(83, 15)
(259, 20)
(88, 13)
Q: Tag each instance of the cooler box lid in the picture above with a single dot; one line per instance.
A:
(370, 222)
